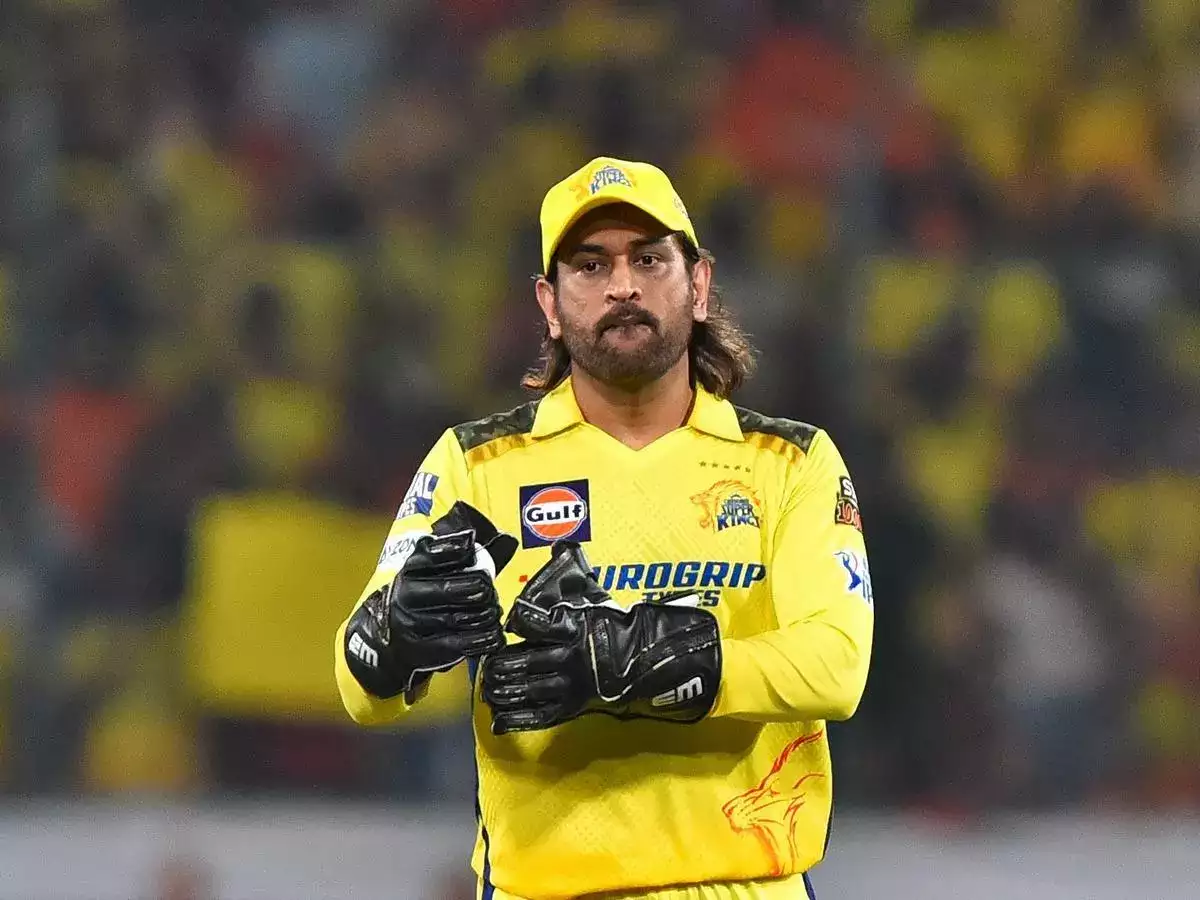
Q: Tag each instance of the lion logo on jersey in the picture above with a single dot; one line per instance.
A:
(769, 810)
(727, 504)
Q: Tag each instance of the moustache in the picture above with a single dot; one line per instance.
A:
(632, 316)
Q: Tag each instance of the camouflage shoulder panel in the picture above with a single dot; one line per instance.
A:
(504, 424)
(799, 433)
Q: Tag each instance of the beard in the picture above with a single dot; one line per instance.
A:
(629, 347)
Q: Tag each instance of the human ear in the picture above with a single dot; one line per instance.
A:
(544, 291)
(701, 282)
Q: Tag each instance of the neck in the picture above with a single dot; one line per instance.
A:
(639, 417)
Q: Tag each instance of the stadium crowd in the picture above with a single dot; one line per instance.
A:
(273, 249)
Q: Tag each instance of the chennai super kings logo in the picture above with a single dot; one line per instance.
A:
(587, 184)
(727, 504)
(769, 810)
(606, 176)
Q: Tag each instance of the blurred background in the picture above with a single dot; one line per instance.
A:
(255, 256)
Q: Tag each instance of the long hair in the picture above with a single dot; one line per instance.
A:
(720, 355)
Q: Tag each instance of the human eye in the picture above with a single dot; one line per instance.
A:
(648, 259)
(589, 266)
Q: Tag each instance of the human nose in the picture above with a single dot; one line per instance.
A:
(621, 285)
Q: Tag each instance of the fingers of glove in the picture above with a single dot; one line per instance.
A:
(451, 648)
(560, 624)
(518, 663)
(537, 690)
(527, 620)
(544, 588)
(475, 619)
(534, 719)
(501, 549)
(439, 553)
(448, 624)
(461, 591)
(422, 628)
(479, 641)
(463, 517)
(445, 627)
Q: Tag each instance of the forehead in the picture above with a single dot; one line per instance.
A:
(613, 226)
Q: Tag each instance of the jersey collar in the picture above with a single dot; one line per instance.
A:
(714, 416)
(558, 411)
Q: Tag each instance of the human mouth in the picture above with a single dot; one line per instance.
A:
(627, 324)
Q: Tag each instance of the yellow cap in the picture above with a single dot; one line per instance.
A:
(605, 180)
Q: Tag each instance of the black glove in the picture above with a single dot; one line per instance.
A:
(582, 654)
(440, 608)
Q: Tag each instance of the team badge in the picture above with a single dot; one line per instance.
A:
(845, 507)
(555, 512)
(419, 499)
(858, 574)
(728, 504)
(606, 176)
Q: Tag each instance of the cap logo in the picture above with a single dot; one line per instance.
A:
(606, 176)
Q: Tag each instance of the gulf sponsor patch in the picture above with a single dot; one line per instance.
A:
(419, 499)
(845, 508)
(858, 574)
(553, 512)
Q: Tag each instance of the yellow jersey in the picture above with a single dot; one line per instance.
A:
(759, 516)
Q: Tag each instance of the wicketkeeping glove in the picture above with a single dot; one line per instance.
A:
(583, 653)
(440, 608)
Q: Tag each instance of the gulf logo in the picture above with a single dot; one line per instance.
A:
(555, 512)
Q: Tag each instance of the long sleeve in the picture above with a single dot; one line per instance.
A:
(441, 481)
(814, 664)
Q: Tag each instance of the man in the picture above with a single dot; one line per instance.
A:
(649, 724)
